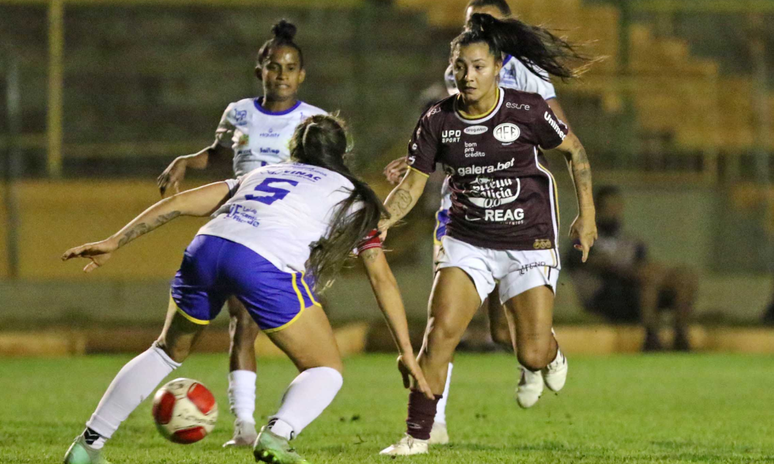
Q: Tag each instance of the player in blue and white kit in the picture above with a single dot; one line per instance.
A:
(513, 75)
(271, 230)
(256, 132)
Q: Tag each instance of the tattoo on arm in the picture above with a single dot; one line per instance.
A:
(164, 218)
(131, 234)
(581, 170)
(142, 228)
(400, 205)
(370, 255)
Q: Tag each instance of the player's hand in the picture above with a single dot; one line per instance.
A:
(97, 252)
(382, 229)
(172, 176)
(583, 233)
(409, 368)
(396, 169)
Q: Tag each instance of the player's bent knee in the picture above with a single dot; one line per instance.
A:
(178, 352)
(443, 337)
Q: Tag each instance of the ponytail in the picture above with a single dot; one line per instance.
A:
(537, 48)
(321, 140)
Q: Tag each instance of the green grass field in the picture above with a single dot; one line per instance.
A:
(632, 409)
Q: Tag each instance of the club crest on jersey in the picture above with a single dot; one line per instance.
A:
(507, 132)
(475, 130)
(243, 140)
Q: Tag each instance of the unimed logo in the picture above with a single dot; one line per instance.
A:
(554, 124)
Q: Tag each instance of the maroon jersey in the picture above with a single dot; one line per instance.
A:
(503, 195)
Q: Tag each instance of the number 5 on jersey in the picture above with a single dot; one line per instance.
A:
(273, 193)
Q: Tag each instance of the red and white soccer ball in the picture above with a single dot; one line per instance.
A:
(184, 411)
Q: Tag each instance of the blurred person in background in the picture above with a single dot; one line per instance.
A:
(514, 74)
(622, 284)
(503, 221)
(768, 315)
(270, 230)
(253, 132)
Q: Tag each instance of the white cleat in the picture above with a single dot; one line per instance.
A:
(439, 435)
(555, 374)
(530, 388)
(244, 435)
(407, 446)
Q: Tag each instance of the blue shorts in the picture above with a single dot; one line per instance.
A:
(214, 268)
(441, 220)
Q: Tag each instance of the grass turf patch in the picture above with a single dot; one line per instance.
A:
(664, 408)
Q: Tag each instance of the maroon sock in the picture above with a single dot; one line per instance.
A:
(421, 413)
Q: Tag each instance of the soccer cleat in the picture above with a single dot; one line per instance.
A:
(272, 448)
(530, 388)
(407, 446)
(244, 434)
(555, 374)
(81, 453)
(439, 435)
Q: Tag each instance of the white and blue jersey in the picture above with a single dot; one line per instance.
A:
(513, 75)
(257, 244)
(257, 136)
(279, 210)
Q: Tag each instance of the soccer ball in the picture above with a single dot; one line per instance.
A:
(184, 411)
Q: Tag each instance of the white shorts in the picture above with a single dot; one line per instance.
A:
(516, 270)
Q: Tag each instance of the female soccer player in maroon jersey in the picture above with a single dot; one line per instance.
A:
(503, 224)
(514, 75)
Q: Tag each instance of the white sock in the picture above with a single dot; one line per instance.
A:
(241, 394)
(305, 399)
(440, 410)
(133, 383)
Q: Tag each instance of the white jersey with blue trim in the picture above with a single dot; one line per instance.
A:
(513, 75)
(278, 211)
(259, 137)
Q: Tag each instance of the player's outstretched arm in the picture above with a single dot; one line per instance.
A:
(390, 302)
(583, 231)
(403, 198)
(174, 174)
(200, 201)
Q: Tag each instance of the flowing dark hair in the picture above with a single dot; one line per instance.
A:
(284, 32)
(535, 47)
(501, 5)
(322, 140)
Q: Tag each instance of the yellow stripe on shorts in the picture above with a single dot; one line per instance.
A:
(185, 315)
